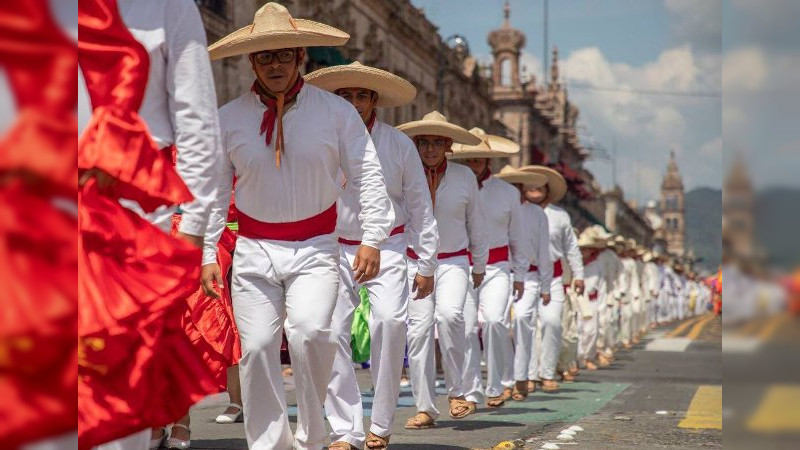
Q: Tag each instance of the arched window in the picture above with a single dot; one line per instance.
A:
(505, 72)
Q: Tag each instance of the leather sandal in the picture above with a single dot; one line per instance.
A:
(550, 386)
(420, 421)
(520, 391)
(460, 403)
(507, 392)
(375, 442)
(341, 445)
(495, 402)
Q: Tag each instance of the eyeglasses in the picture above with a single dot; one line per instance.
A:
(361, 97)
(436, 143)
(284, 56)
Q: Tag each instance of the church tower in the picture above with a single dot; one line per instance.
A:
(672, 208)
(506, 43)
(737, 209)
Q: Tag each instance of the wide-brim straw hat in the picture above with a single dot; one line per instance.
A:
(491, 146)
(601, 232)
(648, 256)
(590, 239)
(515, 176)
(274, 28)
(391, 89)
(436, 124)
(556, 184)
(620, 242)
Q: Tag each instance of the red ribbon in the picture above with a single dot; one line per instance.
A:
(274, 112)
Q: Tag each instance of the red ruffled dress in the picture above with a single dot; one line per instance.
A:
(137, 368)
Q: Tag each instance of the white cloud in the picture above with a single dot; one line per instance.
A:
(697, 22)
(743, 70)
(712, 149)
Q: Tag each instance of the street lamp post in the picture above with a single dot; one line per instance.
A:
(454, 42)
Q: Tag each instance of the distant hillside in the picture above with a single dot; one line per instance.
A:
(704, 225)
(776, 222)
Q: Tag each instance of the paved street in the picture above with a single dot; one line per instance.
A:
(665, 393)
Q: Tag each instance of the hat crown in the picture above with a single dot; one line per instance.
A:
(273, 17)
(435, 116)
(356, 64)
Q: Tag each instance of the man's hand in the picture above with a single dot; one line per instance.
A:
(519, 289)
(210, 274)
(545, 299)
(423, 286)
(366, 264)
(104, 180)
(578, 286)
(477, 279)
(197, 241)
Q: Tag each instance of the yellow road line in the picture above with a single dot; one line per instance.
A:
(750, 328)
(779, 410)
(682, 327)
(774, 324)
(705, 410)
(698, 327)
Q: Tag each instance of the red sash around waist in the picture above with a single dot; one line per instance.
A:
(397, 230)
(321, 224)
(557, 269)
(463, 252)
(496, 255)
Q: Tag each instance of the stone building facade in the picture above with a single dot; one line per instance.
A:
(622, 218)
(388, 34)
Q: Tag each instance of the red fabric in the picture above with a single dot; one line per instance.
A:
(137, 368)
(274, 112)
(209, 322)
(434, 177)
(116, 141)
(496, 255)
(484, 176)
(38, 349)
(322, 223)
(557, 269)
(397, 230)
(463, 252)
(592, 296)
(590, 259)
(371, 122)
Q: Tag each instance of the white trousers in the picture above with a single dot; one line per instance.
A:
(626, 322)
(388, 300)
(662, 307)
(491, 299)
(589, 329)
(295, 283)
(525, 325)
(636, 315)
(570, 330)
(445, 309)
(544, 357)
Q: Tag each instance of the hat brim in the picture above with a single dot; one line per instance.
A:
(594, 243)
(307, 34)
(523, 178)
(492, 147)
(392, 90)
(437, 128)
(557, 186)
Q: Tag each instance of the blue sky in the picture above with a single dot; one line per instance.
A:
(663, 45)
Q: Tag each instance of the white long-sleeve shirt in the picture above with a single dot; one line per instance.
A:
(563, 242)
(459, 216)
(595, 281)
(653, 279)
(504, 223)
(612, 268)
(324, 137)
(180, 104)
(408, 192)
(537, 231)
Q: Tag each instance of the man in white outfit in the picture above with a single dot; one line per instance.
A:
(460, 221)
(591, 245)
(368, 88)
(563, 244)
(289, 144)
(538, 277)
(508, 254)
(180, 109)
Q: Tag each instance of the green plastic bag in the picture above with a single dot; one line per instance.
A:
(359, 332)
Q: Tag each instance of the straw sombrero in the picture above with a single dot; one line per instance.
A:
(274, 28)
(589, 238)
(491, 146)
(601, 232)
(515, 176)
(435, 124)
(620, 242)
(392, 90)
(555, 182)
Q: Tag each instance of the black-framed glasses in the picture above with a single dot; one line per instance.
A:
(437, 143)
(267, 57)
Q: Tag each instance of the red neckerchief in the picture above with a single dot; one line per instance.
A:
(434, 177)
(484, 176)
(591, 259)
(274, 113)
(371, 122)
